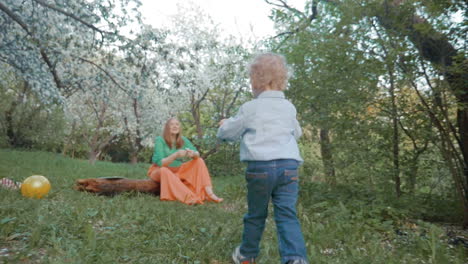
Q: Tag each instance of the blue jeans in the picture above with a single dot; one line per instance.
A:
(278, 180)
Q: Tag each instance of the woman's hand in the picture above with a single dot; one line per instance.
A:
(181, 153)
(178, 154)
(192, 154)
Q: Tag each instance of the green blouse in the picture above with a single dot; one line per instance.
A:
(162, 150)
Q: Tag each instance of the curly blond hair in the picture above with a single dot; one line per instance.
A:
(268, 69)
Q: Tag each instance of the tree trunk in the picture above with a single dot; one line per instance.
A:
(135, 143)
(413, 173)
(14, 136)
(115, 185)
(133, 158)
(92, 156)
(396, 135)
(97, 145)
(10, 132)
(327, 156)
(68, 143)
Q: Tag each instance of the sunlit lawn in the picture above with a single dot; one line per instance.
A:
(74, 227)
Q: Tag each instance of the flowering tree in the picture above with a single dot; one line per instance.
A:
(148, 99)
(208, 69)
(90, 109)
(121, 87)
(44, 40)
(74, 53)
(130, 104)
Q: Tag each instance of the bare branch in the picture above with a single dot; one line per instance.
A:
(438, 123)
(52, 70)
(197, 103)
(304, 24)
(285, 5)
(15, 18)
(105, 142)
(442, 110)
(212, 150)
(231, 105)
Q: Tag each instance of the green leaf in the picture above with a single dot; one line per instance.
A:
(7, 220)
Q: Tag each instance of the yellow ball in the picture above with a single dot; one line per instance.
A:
(35, 186)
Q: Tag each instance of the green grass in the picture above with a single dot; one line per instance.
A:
(341, 225)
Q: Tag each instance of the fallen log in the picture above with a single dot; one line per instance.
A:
(115, 185)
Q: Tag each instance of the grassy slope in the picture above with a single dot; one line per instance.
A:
(340, 226)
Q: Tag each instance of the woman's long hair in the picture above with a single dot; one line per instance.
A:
(167, 134)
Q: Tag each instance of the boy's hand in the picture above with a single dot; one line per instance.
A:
(221, 122)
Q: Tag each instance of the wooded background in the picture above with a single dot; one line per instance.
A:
(380, 86)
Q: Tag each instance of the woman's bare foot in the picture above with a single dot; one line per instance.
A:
(194, 202)
(211, 196)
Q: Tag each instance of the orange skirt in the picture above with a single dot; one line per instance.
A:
(186, 183)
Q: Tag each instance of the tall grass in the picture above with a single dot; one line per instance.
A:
(73, 227)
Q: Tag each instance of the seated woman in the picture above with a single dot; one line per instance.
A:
(188, 182)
